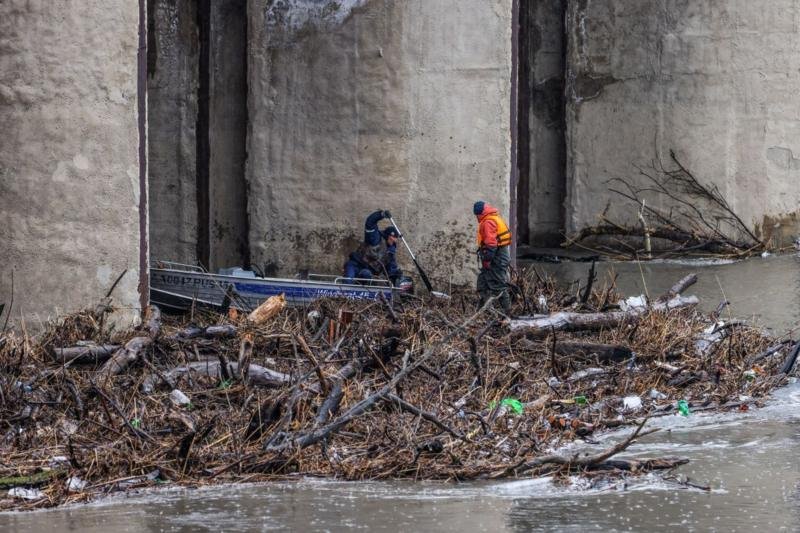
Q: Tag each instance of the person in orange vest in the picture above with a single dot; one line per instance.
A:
(494, 239)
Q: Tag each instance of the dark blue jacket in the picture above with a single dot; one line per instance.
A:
(374, 253)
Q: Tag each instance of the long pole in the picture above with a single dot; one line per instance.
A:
(422, 273)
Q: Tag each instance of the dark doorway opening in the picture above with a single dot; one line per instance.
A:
(541, 122)
(202, 134)
(197, 125)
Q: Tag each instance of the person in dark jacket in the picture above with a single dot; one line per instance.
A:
(494, 240)
(376, 255)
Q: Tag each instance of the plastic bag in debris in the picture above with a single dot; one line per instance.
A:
(179, 398)
(75, 484)
(631, 403)
(587, 372)
(25, 494)
(633, 302)
(509, 403)
(542, 301)
(657, 395)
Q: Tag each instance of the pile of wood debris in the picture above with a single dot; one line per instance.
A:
(415, 389)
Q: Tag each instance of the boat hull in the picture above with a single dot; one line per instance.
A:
(179, 290)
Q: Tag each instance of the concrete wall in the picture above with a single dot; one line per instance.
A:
(69, 166)
(172, 144)
(359, 105)
(715, 80)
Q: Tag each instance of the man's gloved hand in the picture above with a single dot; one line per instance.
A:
(487, 254)
(386, 214)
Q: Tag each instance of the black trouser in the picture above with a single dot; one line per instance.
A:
(493, 281)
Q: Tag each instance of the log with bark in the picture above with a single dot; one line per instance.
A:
(632, 310)
(587, 351)
(209, 332)
(571, 321)
(93, 354)
(124, 357)
(256, 374)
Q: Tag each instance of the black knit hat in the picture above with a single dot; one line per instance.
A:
(477, 207)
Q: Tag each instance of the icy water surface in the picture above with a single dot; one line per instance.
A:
(751, 461)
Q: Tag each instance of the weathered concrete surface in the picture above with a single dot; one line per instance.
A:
(359, 105)
(715, 80)
(69, 166)
(172, 118)
(228, 134)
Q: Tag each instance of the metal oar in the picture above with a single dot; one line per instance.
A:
(422, 273)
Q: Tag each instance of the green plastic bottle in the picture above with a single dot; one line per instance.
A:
(683, 408)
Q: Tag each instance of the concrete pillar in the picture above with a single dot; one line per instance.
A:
(70, 188)
(714, 80)
(360, 105)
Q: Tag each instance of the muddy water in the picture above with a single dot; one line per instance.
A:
(751, 461)
(766, 290)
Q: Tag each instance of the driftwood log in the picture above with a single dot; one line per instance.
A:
(85, 354)
(210, 332)
(124, 357)
(256, 374)
(542, 325)
(677, 289)
(788, 364)
(554, 462)
(601, 353)
(570, 321)
(132, 350)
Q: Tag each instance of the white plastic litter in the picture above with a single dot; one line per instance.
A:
(57, 460)
(314, 318)
(633, 302)
(179, 398)
(657, 395)
(586, 373)
(632, 403)
(75, 484)
(542, 304)
(25, 494)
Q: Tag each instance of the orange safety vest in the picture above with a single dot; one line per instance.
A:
(503, 233)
